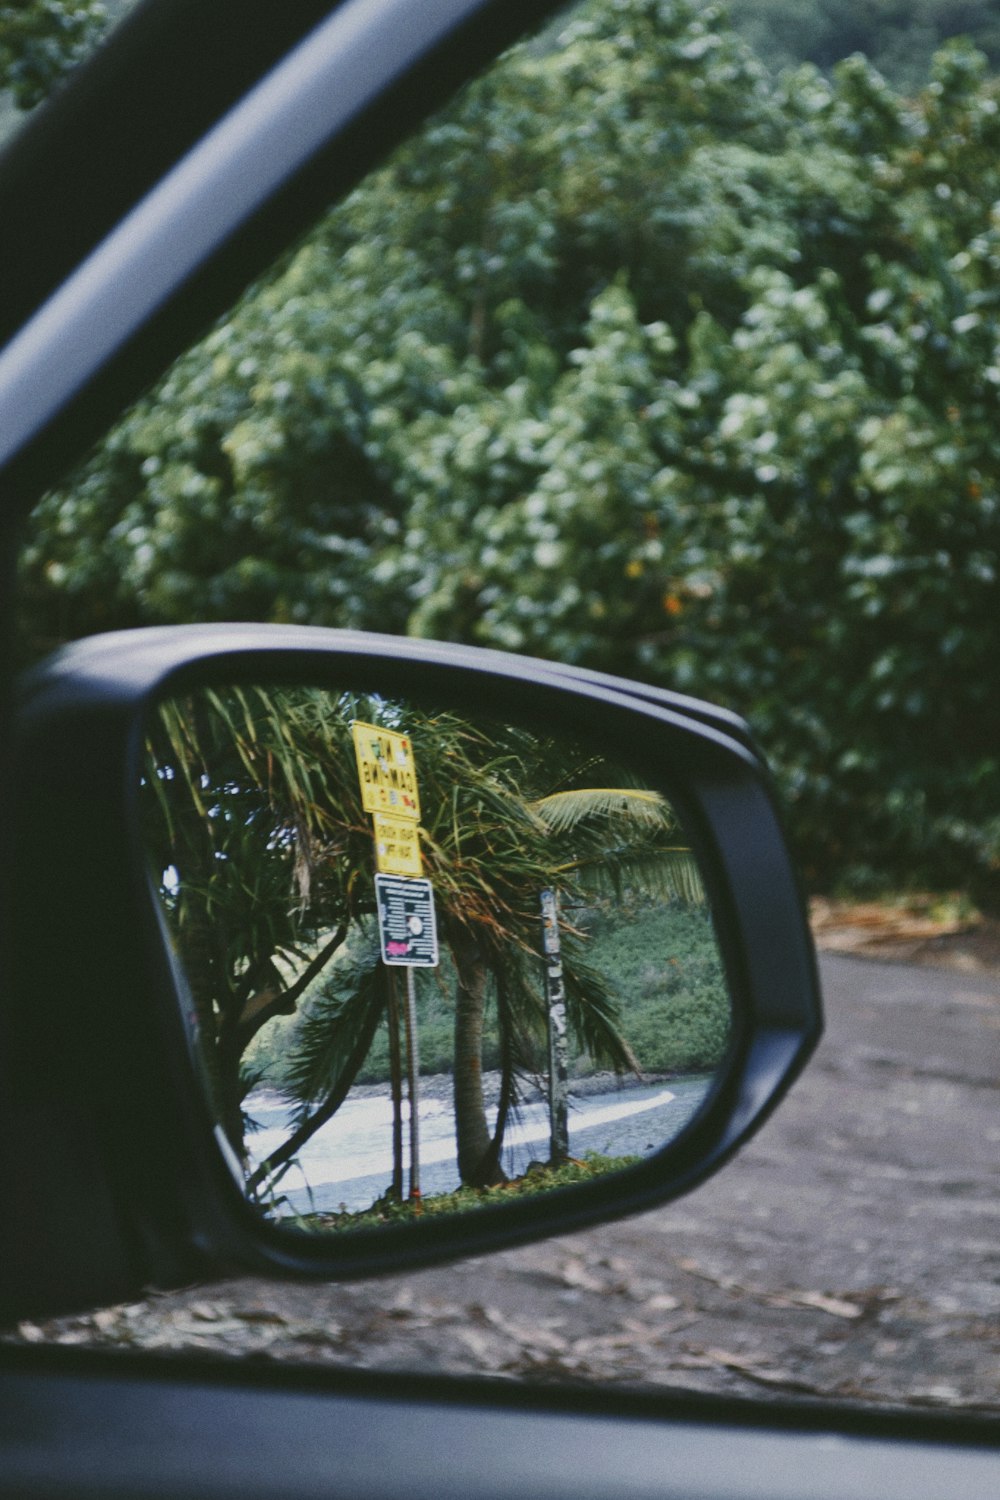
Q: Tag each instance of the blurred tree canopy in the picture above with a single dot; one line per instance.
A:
(898, 37)
(41, 40)
(635, 358)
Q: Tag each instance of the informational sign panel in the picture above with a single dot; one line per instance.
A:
(386, 771)
(397, 846)
(406, 922)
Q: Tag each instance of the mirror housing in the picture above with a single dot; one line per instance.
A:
(148, 1193)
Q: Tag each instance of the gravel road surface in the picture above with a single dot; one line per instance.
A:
(851, 1251)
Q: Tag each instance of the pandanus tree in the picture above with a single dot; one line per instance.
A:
(257, 836)
(256, 830)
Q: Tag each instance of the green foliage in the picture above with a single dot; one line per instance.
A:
(41, 40)
(897, 36)
(635, 359)
(540, 1179)
(255, 829)
(436, 1025)
(661, 964)
(672, 994)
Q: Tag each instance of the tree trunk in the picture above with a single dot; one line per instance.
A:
(477, 1163)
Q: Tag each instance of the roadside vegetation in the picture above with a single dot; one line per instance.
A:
(42, 40)
(662, 961)
(899, 37)
(540, 1178)
(643, 358)
(265, 857)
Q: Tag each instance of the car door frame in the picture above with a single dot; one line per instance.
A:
(150, 268)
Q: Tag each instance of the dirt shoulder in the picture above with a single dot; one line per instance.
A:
(851, 1251)
(916, 930)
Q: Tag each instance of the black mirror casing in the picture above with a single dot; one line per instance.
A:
(119, 1120)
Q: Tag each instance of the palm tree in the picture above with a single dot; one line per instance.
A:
(254, 824)
(255, 852)
(492, 846)
(622, 836)
(601, 823)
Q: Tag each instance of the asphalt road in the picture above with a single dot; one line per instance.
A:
(851, 1251)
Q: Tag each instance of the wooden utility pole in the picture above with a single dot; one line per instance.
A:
(555, 996)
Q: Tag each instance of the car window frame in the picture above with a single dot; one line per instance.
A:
(179, 254)
(56, 1400)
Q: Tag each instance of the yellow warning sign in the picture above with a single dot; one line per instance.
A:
(397, 846)
(386, 771)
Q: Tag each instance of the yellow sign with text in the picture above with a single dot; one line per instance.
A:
(386, 771)
(397, 846)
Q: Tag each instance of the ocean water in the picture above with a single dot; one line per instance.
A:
(348, 1162)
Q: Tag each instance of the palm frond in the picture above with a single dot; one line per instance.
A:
(594, 1016)
(562, 811)
(338, 1024)
(670, 874)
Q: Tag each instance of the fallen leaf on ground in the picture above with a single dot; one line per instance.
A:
(661, 1302)
(836, 1306)
(574, 1273)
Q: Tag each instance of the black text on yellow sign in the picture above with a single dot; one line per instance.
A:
(386, 771)
(397, 846)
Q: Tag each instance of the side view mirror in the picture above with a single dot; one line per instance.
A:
(387, 951)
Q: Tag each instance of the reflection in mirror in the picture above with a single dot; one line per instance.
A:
(432, 959)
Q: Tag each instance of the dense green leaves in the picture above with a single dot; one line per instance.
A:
(899, 36)
(254, 825)
(639, 359)
(41, 40)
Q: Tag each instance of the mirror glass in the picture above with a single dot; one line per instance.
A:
(431, 959)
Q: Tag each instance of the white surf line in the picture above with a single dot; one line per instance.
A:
(524, 1133)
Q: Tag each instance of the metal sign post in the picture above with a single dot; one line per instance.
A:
(555, 996)
(413, 1081)
(409, 940)
(387, 776)
(396, 1084)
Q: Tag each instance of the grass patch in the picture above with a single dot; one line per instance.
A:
(540, 1179)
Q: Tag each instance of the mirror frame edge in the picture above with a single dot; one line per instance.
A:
(201, 1218)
